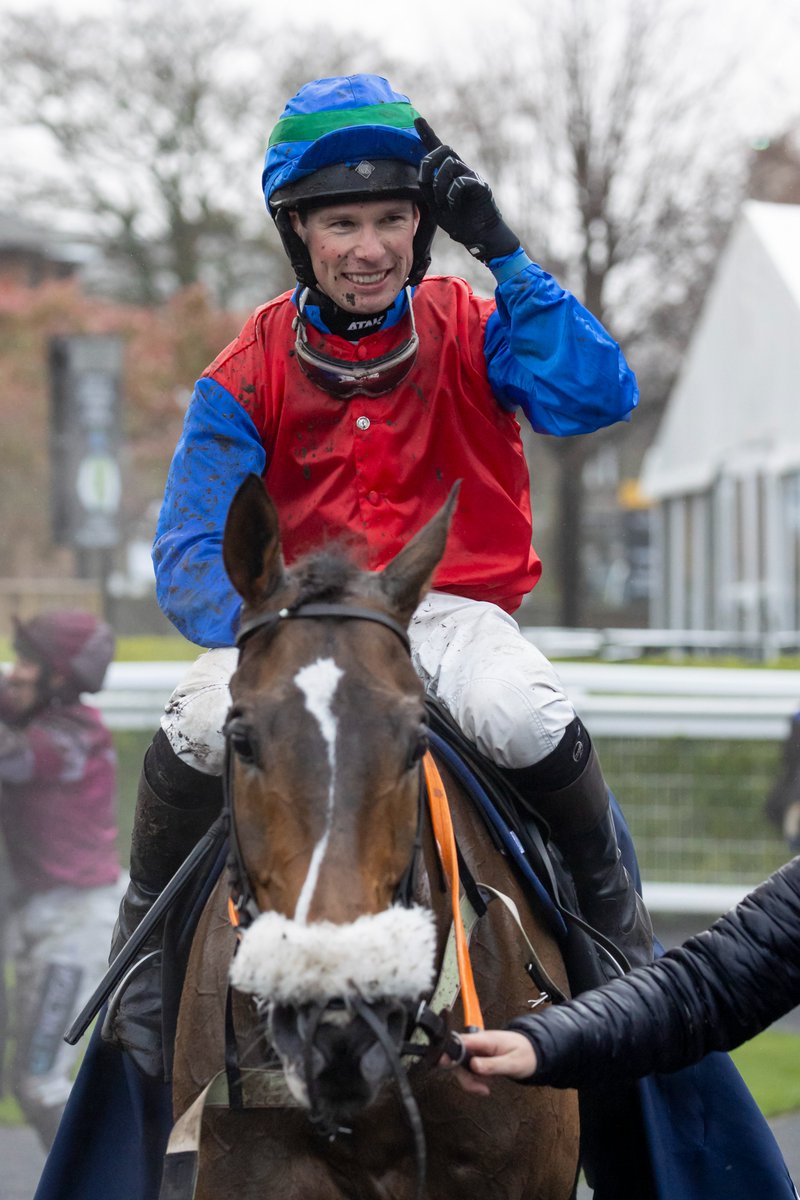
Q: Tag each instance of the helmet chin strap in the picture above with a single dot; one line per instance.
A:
(344, 378)
(342, 321)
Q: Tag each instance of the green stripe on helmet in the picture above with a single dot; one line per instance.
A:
(307, 127)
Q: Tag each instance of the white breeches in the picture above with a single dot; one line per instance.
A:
(59, 943)
(471, 656)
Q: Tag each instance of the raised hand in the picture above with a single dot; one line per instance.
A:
(461, 201)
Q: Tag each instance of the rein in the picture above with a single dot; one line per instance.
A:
(446, 844)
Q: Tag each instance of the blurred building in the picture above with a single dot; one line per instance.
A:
(30, 255)
(724, 468)
(775, 168)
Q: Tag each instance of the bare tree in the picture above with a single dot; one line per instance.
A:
(143, 127)
(153, 125)
(620, 172)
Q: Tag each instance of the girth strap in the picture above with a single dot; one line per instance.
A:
(259, 1089)
(548, 988)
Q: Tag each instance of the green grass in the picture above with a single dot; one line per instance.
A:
(140, 648)
(770, 1066)
(9, 1111)
(156, 648)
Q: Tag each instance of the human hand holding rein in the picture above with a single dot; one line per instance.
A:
(493, 1052)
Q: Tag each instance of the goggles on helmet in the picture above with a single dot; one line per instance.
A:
(370, 377)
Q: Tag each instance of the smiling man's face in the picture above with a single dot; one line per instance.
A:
(22, 687)
(361, 252)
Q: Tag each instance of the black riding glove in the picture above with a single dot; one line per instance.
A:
(461, 201)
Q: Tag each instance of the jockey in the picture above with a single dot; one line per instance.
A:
(58, 817)
(360, 397)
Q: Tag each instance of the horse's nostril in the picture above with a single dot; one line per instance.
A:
(396, 1022)
(374, 1065)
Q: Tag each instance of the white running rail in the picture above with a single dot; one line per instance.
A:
(614, 700)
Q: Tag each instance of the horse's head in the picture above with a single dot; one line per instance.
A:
(325, 732)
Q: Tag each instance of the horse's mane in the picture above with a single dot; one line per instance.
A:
(328, 576)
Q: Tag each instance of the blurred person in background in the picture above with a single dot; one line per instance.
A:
(58, 791)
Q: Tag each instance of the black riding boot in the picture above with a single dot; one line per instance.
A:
(175, 806)
(579, 815)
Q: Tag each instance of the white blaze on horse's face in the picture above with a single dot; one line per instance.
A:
(318, 683)
(292, 961)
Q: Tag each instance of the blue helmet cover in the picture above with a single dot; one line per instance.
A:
(289, 161)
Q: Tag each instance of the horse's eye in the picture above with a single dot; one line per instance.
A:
(418, 746)
(241, 741)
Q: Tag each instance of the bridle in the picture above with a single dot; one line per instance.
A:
(246, 910)
(270, 620)
(244, 906)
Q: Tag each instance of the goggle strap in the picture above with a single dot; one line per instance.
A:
(345, 374)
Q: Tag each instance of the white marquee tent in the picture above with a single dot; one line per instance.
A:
(724, 469)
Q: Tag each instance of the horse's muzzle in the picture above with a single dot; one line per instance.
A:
(333, 1062)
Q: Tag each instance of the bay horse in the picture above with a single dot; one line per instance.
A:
(325, 735)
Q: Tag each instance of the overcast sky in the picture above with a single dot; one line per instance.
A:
(765, 33)
(413, 26)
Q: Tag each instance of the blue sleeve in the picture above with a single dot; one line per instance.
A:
(219, 446)
(548, 355)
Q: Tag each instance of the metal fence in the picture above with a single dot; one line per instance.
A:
(690, 752)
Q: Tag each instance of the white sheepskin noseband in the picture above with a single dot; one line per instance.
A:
(385, 955)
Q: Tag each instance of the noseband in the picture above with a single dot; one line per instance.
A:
(243, 901)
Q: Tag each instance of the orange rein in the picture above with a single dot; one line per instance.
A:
(446, 845)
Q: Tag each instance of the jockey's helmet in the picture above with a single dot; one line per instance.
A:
(68, 642)
(351, 137)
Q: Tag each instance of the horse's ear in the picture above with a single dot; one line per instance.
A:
(408, 576)
(251, 544)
